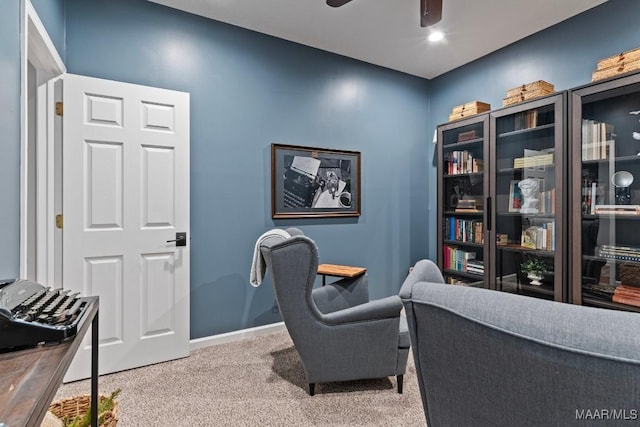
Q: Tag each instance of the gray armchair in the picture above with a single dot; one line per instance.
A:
(339, 334)
(488, 358)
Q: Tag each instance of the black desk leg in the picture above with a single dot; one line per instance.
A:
(94, 371)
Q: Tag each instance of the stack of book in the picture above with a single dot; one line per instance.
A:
(592, 193)
(539, 237)
(469, 205)
(627, 294)
(457, 162)
(533, 161)
(526, 120)
(475, 266)
(457, 259)
(547, 201)
(463, 230)
(597, 140)
(619, 252)
(468, 135)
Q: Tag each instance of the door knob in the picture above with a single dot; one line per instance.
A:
(181, 239)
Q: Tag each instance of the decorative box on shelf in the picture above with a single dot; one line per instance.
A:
(528, 91)
(469, 109)
(621, 63)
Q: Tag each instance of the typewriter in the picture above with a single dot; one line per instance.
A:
(32, 314)
(299, 182)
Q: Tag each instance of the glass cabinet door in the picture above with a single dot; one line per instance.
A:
(527, 143)
(462, 190)
(605, 120)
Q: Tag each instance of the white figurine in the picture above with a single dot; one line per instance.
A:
(529, 189)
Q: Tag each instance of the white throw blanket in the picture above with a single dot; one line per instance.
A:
(258, 265)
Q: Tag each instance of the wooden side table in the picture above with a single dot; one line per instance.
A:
(339, 271)
(29, 379)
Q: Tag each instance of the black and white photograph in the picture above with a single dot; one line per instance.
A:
(314, 182)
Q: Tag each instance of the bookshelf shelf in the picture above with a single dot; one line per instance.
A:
(476, 277)
(520, 248)
(462, 145)
(469, 174)
(458, 242)
(612, 217)
(618, 160)
(454, 213)
(602, 303)
(521, 132)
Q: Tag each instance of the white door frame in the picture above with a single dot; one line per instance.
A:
(38, 50)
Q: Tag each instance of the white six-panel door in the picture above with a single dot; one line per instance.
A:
(125, 195)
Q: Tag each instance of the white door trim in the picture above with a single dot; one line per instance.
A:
(36, 48)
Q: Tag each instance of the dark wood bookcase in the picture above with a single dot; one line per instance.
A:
(527, 188)
(605, 195)
(462, 154)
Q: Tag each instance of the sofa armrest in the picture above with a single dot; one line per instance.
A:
(384, 308)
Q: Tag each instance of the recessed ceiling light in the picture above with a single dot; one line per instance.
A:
(435, 36)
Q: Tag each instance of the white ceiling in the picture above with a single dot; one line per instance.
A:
(388, 32)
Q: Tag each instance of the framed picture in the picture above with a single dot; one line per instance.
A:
(515, 196)
(309, 182)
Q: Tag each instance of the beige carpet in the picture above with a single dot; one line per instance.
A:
(254, 382)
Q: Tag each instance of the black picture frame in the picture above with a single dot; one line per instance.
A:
(311, 182)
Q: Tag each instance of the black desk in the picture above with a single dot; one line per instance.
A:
(29, 379)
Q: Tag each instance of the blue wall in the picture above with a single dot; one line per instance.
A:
(565, 55)
(247, 91)
(10, 141)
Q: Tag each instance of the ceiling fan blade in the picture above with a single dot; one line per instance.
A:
(430, 12)
(337, 3)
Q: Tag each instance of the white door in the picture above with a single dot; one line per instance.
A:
(125, 196)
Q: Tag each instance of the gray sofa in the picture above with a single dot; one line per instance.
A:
(339, 334)
(488, 358)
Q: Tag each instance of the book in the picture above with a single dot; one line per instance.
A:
(623, 299)
(616, 209)
(529, 237)
(533, 161)
(468, 135)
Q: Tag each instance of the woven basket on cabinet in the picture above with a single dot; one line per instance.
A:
(79, 405)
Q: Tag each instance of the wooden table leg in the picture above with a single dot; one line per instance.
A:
(94, 371)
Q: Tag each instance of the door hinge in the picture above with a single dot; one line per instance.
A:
(59, 220)
(59, 108)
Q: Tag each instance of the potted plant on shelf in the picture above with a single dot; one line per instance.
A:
(534, 267)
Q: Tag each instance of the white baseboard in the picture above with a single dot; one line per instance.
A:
(236, 335)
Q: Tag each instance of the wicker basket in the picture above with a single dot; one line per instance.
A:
(630, 273)
(528, 91)
(469, 109)
(621, 63)
(78, 405)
